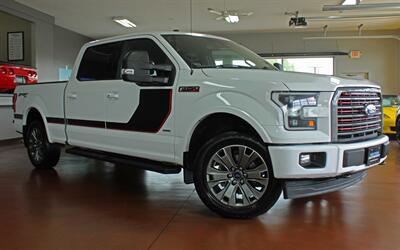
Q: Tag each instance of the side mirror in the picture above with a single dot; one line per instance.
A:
(278, 66)
(136, 67)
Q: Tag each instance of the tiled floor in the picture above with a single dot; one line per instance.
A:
(84, 204)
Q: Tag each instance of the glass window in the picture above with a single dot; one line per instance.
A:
(207, 52)
(318, 65)
(272, 61)
(156, 56)
(391, 101)
(323, 66)
(104, 62)
(100, 62)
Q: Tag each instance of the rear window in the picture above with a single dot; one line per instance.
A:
(100, 62)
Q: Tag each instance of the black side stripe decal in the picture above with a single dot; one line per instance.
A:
(154, 108)
(86, 123)
(55, 120)
(76, 122)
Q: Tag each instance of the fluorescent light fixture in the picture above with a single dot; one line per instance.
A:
(124, 22)
(232, 18)
(360, 7)
(338, 18)
(351, 2)
(352, 37)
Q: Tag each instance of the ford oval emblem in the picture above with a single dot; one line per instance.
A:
(370, 109)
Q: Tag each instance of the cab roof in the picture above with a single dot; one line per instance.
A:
(155, 34)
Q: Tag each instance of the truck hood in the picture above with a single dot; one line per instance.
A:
(293, 81)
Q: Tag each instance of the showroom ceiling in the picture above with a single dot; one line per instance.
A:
(93, 18)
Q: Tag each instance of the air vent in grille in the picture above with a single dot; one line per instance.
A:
(357, 114)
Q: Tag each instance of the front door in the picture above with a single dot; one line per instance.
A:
(139, 120)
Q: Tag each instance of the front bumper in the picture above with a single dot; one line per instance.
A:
(285, 158)
(309, 187)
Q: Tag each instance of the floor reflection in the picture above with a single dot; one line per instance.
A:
(321, 210)
(87, 204)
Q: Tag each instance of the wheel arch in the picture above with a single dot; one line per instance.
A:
(216, 123)
(34, 113)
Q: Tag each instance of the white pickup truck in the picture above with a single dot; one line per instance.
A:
(241, 129)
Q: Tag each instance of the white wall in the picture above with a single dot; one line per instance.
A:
(67, 45)
(10, 23)
(52, 46)
(7, 130)
(380, 57)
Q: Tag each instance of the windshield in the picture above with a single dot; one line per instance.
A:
(391, 101)
(205, 52)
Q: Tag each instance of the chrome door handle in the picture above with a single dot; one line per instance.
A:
(113, 96)
(72, 96)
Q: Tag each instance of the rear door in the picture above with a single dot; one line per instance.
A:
(86, 95)
(139, 120)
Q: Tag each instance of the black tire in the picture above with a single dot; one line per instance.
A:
(42, 154)
(253, 207)
(398, 130)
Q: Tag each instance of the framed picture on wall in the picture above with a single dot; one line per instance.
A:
(15, 46)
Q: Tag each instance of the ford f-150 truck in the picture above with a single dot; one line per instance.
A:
(13, 75)
(241, 130)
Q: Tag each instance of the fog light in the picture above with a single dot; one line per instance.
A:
(312, 160)
(305, 159)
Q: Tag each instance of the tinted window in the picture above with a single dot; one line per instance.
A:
(156, 56)
(100, 62)
(207, 52)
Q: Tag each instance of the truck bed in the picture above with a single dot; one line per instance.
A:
(45, 97)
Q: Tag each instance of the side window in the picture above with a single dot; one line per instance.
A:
(156, 56)
(100, 62)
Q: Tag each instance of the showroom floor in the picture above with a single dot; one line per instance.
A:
(85, 204)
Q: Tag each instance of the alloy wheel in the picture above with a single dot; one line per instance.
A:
(36, 144)
(398, 131)
(237, 176)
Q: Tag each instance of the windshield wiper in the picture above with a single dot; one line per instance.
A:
(229, 66)
(267, 68)
(232, 66)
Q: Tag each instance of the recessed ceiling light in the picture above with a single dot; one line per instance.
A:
(232, 18)
(124, 22)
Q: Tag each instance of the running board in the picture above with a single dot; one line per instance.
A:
(159, 167)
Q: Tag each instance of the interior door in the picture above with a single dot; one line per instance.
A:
(86, 95)
(139, 120)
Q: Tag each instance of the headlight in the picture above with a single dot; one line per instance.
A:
(300, 109)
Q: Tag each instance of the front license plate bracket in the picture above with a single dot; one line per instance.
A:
(373, 155)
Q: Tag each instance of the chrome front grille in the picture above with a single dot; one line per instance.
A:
(353, 114)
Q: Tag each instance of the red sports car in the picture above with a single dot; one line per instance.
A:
(12, 75)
